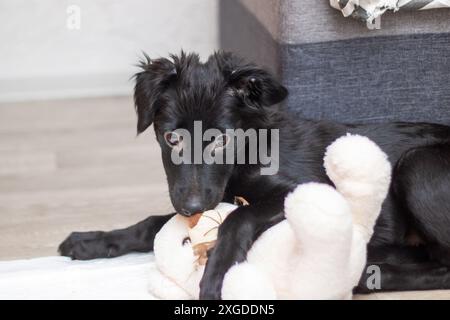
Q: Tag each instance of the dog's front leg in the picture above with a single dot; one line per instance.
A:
(100, 244)
(235, 238)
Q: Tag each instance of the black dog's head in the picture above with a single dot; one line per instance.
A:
(223, 93)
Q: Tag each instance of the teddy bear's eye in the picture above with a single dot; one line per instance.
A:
(186, 240)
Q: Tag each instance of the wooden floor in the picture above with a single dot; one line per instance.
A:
(73, 165)
(77, 165)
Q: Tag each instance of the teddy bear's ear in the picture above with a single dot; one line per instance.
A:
(151, 82)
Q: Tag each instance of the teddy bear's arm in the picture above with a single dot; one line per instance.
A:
(321, 220)
(361, 172)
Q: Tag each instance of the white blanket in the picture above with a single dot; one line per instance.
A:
(61, 278)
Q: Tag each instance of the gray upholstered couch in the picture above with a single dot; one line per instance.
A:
(336, 68)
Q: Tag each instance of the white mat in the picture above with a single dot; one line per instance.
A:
(61, 278)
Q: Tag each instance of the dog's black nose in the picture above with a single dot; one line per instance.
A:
(192, 206)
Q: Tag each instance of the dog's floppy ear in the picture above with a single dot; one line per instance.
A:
(256, 86)
(151, 82)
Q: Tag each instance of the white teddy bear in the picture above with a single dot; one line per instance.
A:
(317, 252)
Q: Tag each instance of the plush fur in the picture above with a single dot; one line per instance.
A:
(224, 92)
(318, 252)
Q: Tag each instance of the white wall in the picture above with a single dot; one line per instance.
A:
(40, 57)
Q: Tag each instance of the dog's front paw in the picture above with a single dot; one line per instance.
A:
(85, 246)
(211, 288)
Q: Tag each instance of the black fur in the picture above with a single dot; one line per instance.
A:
(226, 93)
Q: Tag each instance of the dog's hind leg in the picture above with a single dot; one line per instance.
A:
(100, 244)
(384, 277)
(401, 268)
(422, 185)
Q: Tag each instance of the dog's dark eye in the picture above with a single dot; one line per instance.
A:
(172, 138)
(221, 141)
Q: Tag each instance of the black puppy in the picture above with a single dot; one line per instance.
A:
(411, 243)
